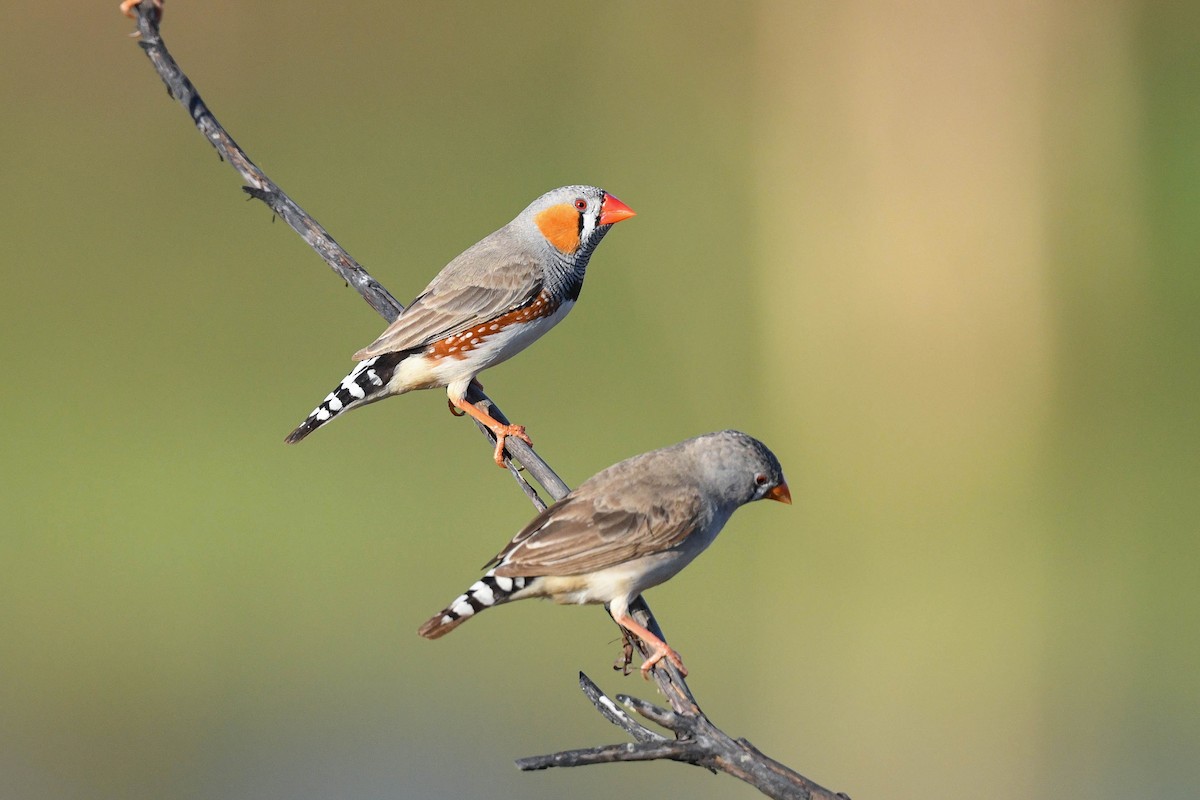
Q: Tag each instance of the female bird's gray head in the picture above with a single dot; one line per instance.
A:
(739, 468)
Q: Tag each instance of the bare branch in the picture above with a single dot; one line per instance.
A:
(697, 740)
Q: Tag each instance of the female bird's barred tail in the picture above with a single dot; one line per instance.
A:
(490, 590)
(366, 383)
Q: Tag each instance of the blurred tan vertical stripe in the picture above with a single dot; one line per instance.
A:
(902, 196)
(903, 193)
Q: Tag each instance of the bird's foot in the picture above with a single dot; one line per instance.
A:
(657, 647)
(502, 432)
(498, 429)
(661, 651)
(455, 410)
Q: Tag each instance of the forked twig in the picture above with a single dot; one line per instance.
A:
(697, 740)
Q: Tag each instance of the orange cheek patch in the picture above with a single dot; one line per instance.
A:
(560, 225)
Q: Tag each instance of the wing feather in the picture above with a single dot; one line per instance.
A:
(588, 531)
(489, 279)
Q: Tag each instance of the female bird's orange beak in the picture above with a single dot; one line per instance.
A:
(780, 493)
(613, 210)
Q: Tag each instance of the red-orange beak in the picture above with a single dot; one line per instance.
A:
(780, 493)
(613, 210)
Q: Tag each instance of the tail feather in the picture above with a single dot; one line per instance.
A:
(366, 383)
(488, 591)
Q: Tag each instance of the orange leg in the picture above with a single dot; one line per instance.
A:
(658, 648)
(498, 429)
(453, 408)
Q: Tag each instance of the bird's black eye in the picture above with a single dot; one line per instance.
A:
(580, 204)
(760, 479)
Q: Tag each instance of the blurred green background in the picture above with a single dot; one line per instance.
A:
(943, 259)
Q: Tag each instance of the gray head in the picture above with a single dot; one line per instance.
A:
(737, 468)
(572, 219)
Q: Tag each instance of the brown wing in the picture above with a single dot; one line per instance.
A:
(489, 279)
(591, 531)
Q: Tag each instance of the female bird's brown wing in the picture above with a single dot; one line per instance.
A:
(589, 532)
(488, 280)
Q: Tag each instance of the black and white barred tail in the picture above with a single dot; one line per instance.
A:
(366, 383)
(490, 590)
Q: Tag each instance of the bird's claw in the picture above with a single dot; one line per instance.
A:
(502, 432)
(658, 655)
